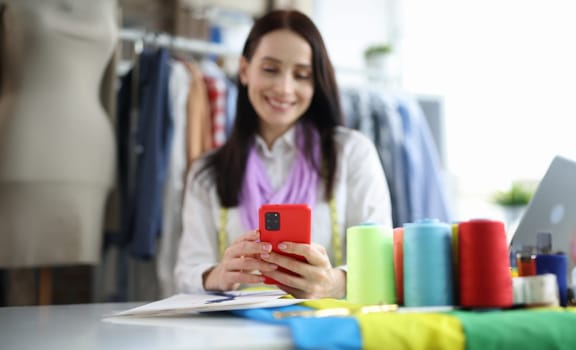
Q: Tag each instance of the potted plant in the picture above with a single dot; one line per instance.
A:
(513, 202)
(517, 195)
(376, 57)
(377, 49)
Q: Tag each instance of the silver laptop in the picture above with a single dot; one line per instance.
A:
(552, 210)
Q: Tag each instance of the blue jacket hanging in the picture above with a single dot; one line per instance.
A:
(145, 137)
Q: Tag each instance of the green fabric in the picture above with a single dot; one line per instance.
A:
(519, 329)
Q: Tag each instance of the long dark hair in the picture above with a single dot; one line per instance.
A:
(228, 163)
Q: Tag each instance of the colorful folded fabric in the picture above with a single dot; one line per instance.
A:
(510, 329)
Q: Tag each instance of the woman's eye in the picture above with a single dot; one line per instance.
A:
(269, 69)
(303, 76)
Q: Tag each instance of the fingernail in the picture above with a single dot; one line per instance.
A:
(282, 246)
(266, 247)
(265, 256)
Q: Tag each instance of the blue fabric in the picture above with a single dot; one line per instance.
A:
(426, 189)
(126, 170)
(311, 332)
(231, 98)
(373, 113)
(144, 137)
(398, 128)
(154, 136)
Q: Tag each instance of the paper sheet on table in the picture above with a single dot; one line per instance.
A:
(193, 303)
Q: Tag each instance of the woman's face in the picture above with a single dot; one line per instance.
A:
(279, 80)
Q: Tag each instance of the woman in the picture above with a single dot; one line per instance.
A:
(286, 147)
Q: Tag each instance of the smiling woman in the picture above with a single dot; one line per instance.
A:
(280, 82)
(287, 146)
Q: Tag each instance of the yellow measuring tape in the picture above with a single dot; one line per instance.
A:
(336, 239)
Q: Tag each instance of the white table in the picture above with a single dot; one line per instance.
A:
(82, 326)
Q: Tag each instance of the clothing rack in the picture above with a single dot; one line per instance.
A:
(142, 37)
(347, 75)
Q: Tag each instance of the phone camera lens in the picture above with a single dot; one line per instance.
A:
(272, 221)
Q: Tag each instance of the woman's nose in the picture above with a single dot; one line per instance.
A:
(284, 84)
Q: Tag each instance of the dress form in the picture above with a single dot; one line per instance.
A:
(57, 146)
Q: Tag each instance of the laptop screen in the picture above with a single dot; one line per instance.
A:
(551, 210)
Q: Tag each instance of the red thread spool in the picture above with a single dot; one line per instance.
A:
(399, 263)
(484, 265)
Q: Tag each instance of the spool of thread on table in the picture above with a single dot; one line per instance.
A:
(454, 229)
(541, 290)
(518, 286)
(428, 275)
(557, 265)
(485, 280)
(399, 263)
(370, 276)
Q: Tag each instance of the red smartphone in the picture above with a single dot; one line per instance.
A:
(284, 223)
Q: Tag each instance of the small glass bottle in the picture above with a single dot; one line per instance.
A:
(526, 262)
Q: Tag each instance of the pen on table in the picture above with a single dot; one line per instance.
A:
(222, 296)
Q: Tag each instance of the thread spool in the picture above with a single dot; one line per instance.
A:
(399, 263)
(557, 265)
(370, 276)
(485, 280)
(455, 281)
(541, 290)
(518, 285)
(428, 275)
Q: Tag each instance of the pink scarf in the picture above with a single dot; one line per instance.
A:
(300, 185)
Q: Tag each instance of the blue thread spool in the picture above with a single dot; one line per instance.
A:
(556, 264)
(428, 273)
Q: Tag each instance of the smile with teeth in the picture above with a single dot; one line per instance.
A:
(279, 104)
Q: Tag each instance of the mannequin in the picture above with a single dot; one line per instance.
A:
(57, 145)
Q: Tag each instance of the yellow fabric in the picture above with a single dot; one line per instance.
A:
(329, 303)
(222, 233)
(411, 331)
(336, 238)
(402, 330)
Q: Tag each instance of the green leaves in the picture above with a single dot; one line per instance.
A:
(517, 195)
(377, 49)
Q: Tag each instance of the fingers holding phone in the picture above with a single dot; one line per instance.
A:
(238, 264)
(314, 278)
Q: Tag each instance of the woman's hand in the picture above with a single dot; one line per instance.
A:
(238, 264)
(318, 279)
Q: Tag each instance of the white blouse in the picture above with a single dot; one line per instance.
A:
(361, 195)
